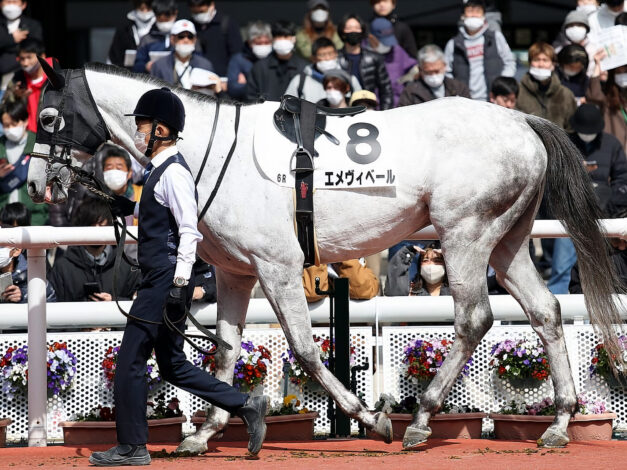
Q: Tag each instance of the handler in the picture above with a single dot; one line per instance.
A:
(168, 236)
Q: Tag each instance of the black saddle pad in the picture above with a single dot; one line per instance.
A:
(284, 122)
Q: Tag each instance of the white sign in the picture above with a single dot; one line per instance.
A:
(614, 42)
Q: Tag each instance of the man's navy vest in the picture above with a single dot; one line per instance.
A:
(157, 228)
(492, 61)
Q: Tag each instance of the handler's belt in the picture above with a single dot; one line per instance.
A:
(302, 121)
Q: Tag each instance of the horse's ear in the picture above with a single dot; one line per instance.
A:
(57, 81)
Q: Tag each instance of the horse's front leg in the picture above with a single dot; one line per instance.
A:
(283, 287)
(233, 297)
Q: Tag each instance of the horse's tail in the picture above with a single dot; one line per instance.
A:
(572, 200)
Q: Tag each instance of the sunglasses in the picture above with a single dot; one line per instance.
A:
(185, 36)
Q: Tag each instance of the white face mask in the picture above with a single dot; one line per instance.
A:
(474, 23)
(326, 65)
(262, 51)
(15, 134)
(165, 26)
(569, 73)
(204, 17)
(31, 69)
(12, 11)
(5, 256)
(283, 46)
(140, 141)
(144, 16)
(434, 81)
(319, 15)
(432, 273)
(576, 34)
(540, 74)
(587, 9)
(621, 80)
(587, 138)
(115, 179)
(185, 50)
(383, 49)
(334, 97)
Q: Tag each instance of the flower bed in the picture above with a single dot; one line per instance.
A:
(423, 358)
(520, 362)
(3, 431)
(600, 365)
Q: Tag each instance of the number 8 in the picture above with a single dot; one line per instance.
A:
(356, 139)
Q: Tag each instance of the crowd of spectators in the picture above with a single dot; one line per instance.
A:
(373, 61)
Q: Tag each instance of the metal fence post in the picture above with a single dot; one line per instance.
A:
(342, 349)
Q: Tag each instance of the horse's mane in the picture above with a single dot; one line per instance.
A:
(158, 83)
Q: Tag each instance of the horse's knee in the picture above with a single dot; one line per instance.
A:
(308, 356)
(473, 325)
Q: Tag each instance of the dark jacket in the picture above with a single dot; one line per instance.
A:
(155, 40)
(242, 62)
(397, 280)
(70, 273)
(205, 277)
(610, 178)
(269, 77)
(555, 102)
(404, 35)
(164, 67)
(20, 279)
(418, 92)
(373, 75)
(619, 258)
(8, 46)
(578, 84)
(615, 121)
(492, 61)
(124, 39)
(220, 39)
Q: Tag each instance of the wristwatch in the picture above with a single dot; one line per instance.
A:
(180, 281)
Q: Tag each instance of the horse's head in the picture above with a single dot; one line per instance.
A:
(69, 131)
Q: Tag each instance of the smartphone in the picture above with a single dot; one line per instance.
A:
(590, 162)
(6, 280)
(90, 288)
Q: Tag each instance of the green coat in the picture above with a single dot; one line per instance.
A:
(39, 211)
(304, 42)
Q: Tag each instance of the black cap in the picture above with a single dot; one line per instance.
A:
(587, 120)
(162, 105)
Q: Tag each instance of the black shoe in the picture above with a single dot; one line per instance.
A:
(253, 414)
(124, 454)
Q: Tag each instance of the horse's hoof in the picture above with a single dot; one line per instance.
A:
(192, 445)
(414, 437)
(552, 439)
(383, 427)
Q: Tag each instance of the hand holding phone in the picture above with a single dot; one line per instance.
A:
(90, 288)
(6, 280)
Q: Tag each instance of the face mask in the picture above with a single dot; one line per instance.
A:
(540, 74)
(383, 49)
(140, 141)
(31, 69)
(185, 50)
(204, 17)
(474, 23)
(587, 138)
(12, 12)
(115, 179)
(587, 9)
(319, 15)
(432, 273)
(576, 34)
(621, 80)
(434, 81)
(326, 65)
(334, 97)
(15, 134)
(165, 26)
(570, 73)
(5, 256)
(144, 16)
(353, 38)
(262, 51)
(283, 46)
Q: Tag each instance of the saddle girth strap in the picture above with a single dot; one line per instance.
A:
(305, 124)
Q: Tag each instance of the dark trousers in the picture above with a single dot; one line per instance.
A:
(130, 387)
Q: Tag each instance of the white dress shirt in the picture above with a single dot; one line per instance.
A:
(175, 190)
(183, 71)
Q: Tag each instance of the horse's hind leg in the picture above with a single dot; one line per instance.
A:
(282, 284)
(516, 272)
(466, 266)
(233, 297)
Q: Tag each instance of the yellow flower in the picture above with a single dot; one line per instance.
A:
(288, 400)
(303, 411)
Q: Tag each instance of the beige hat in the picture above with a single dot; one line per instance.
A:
(363, 95)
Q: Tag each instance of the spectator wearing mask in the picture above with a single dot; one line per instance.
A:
(369, 100)
(604, 157)
(308, 84)
(403, 33)
(576, 31)
(270, 77)
(127, 38)
(504, 91)
(429, 278)
(218, 34)
(612, 99)
(337, 87)
(367, 66)
(176, 68)
(605, 16)
(257, 46)
(206, 82)
(15, 27)
(117, 173)
(15, 147)
(86, 272)
(397, 61)
(573, 64)
(477, 55)
(432, 82)
(317, 24)
(157, 41)
(587, 6)
(541, 92)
